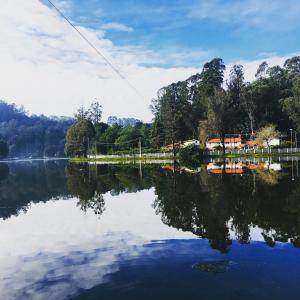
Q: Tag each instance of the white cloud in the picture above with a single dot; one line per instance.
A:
(117, 26)
(95, 245)
(49, 69)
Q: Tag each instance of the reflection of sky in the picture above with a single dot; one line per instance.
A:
(55, 250)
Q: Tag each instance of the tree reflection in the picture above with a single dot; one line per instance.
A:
(23, 183)
(4, 171)
(83, 185)
(217, 207)
(209, 205)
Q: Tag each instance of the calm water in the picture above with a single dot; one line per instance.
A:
(120, 232)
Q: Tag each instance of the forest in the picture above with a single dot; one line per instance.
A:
(203, 106)
(207, 105)
(32, 136)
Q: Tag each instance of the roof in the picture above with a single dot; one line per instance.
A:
(227, 171)
(226, 140)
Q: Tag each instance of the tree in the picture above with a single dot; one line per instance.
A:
(156, 133)
(81, 114)
(292, 65)
(291, 105)
(212, 75)
(171, 108)
(4, 150)
(262, 70)
(235, 111)
(78, 138)
(95, 112)
(265, 135)
(249, 105)
(217, 115)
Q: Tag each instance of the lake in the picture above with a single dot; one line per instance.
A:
(217, 231)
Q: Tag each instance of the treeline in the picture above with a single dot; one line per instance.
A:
(89, 134)
(35, 136)
(206, 105)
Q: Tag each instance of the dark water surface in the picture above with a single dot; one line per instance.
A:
(150, 232)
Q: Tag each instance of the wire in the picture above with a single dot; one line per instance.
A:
(98, 52)
(126, 142)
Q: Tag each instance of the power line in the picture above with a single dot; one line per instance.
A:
(97, 51)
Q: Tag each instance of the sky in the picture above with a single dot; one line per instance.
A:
(49, 69)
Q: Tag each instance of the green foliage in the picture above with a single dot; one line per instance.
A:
(3, 149)
(182, 109)
(265, 135)
(291, 105)
(32, 135)
(78, 138)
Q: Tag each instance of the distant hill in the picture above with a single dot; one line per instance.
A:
(122, 121)
(35, 136)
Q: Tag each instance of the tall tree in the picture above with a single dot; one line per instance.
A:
(262, 70)
(81, 114)
(292, 65)
(291, 105)
(95, 112)
(235, 111)
(249, 106)
(217, 115)
(212, 75)
(78, 138)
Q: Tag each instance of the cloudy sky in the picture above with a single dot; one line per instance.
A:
(49, 69)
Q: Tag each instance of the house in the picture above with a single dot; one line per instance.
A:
(182, 144)
(238, 143)
(190, 142)
(272, 143)
(230, 143)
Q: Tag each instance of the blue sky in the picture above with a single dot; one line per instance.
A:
(50, 70)
(231, 29)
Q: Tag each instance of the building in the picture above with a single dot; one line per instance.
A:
(238, 143)
(230, 143)
(190, 142)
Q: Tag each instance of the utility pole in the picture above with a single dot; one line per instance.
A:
(291, 130)
(296, 140)
(96, 150)
(140, 147)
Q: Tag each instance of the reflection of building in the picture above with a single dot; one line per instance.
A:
(272, 166)
(231, 168)
(241, 167)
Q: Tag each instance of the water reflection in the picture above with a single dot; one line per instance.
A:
(108, 231)
(25, 183)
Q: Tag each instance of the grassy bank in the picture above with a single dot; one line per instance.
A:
(122, 159)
